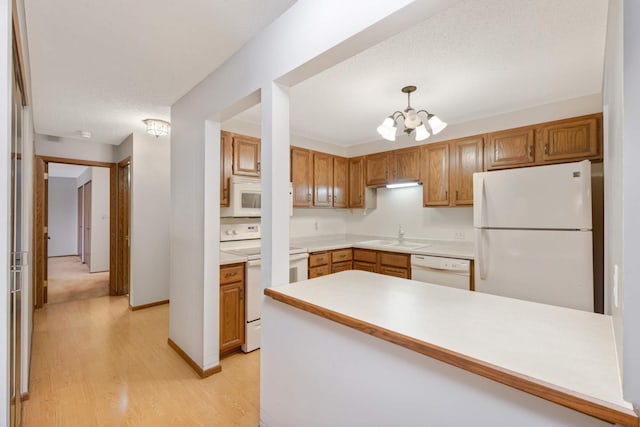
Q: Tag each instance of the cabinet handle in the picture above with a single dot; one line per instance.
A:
(360, 197)
(446, 195)
(241, 293)
(456, 194)
(530, 150)
(258, 166)
(308, 197)
(228, 275)
(546, 148)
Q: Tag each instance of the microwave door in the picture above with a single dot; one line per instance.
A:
(250, 200)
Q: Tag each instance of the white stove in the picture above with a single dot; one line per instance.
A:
(241, 236)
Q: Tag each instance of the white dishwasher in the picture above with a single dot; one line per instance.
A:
(441, 271)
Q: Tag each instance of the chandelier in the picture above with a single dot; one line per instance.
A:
(411, 121)
(157, 127)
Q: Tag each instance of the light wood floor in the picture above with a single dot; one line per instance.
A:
(69, 279)
(96, 363)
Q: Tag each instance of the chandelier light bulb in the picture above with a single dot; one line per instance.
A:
(387, 129)
(157, 127)
(422, 133)
(436, 124)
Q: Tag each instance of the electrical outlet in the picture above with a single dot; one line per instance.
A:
(459, 235)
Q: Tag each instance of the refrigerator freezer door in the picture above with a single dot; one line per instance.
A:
(544, 197)
(546, 266)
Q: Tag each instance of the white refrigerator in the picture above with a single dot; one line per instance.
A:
(533, 234)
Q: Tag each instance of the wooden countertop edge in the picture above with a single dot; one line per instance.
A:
(588, 405)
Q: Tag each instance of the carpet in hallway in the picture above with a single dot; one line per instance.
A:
(69, 280)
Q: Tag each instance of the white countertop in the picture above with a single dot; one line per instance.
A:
(229, 258)
(444, 248)
(570, 349)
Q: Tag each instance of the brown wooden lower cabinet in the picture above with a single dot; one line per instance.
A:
(326, 262)
(388, 263)
(232, 316)
(322, 270)
(341, 266)
(364, 266)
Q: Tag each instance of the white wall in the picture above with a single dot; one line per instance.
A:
(125, 149)
(309, 37)
(631, 203)
(317, 222)
(63, 217)
(73, 149)
(150, 207)
(100, 216)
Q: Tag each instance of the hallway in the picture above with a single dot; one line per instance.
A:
(96, 363)
(69, 279)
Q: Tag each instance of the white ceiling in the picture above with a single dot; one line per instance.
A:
(104, 66)
(478, 58)
(60, 170)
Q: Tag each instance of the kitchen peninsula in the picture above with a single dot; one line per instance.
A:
(428, 356)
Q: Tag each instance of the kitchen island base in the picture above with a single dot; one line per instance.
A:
(316, 372)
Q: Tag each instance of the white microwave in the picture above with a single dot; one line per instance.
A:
(245, 199)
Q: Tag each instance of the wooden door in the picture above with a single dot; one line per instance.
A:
(80, 221)
(45, 213)
(246, 156)
(510, 148)
(356, 183)
(571, 140)
(226, 165)
(322, 180)
(301, 177)
(467, 156)
(340, 182)
(87, 224)
(406, 165)
(231, 316)
(435, 174)
(123, 244)
(377, 169)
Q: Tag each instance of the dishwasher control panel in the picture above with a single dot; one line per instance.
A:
(440, 263)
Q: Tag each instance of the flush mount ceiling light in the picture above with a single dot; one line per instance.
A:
(157, 127)
(411, 121)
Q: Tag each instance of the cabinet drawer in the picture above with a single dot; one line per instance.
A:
(364, 255)
(234, 273)
(318, 271)
(340, 266)
(364, 266)
(394, 259)
(341, 255)
(318, 258)
(394, 271)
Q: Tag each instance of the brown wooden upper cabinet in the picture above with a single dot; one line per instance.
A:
(377, 169)
(466, 159)
(226, 161)
(322, 180)
(511, 148)
(447, 171)
(302, 177)
(356, 183)
(340, 182)
(435, 174)
(246, 156)
(572, 139)
(401, 165)
(560, 141)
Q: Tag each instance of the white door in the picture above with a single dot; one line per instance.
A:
(546, 197)
(547, 266)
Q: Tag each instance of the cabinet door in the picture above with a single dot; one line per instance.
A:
(513, 147)
(377, 169)
(364, 266)
(466, 160)
(246, 156)
(341, 266)
(301, 177)
(435, 174)
(231, 316)
(356, 183)
(322, 180)
(571, 140)
(226, 161)
(403, 273)
(340, 182)
(406, 165)
(322, 270)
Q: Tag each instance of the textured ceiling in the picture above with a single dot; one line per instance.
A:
(476, 59)
(103, 66)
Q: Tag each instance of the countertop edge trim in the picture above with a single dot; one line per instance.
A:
(570, 399)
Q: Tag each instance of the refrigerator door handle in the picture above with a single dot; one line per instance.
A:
(481, 261)
(480, 200)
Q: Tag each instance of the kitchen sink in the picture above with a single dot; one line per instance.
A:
(395, 244)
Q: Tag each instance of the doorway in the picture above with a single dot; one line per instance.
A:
(81, 246)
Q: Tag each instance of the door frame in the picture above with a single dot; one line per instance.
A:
(40, 208)
(123, 243)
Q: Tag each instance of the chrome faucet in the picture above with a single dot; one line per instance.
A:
(400, 233)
